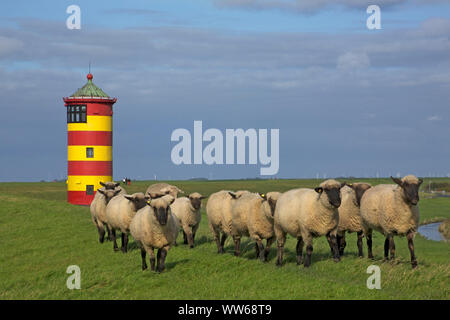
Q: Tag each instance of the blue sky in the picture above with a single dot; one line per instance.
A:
(347, 100)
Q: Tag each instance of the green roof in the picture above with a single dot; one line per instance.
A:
(90, 90)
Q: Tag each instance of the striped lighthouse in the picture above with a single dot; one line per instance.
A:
(89, 142)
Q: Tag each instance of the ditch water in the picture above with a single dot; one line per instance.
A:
(431, 232)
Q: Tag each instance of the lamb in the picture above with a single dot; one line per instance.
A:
(218, 210)
(349, 217)
(154, 226)
(173, 190)
(392, 210)
(119, 212)
(187, 212)
(98, 206)
(307, 213)
(252, 216)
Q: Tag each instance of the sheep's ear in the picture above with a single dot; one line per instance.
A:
(101, 191)
(233, 195)
(319, 189)
(397, 181)
(343, 184)
(131, 198)
(147, 198)
(263, 195)
(420, 181)
(102, 184)
(116, 184)
(202, 197)
(116, 192)
(351, 185)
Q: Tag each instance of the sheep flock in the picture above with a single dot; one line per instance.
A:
(155, 218)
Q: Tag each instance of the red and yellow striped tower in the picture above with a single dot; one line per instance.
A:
(89, 142)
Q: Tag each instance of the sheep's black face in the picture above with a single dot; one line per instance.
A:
(109, 194)
(196, 203)
(411, 192)
(161, 214)
(334, 196)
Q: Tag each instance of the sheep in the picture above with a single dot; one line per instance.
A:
(349, 217)
(218, 210)
(98, 206)
(154, 226)
(173, 190)
(392, 210)
(252, 216)
(307, 213)
(119, 212)
(187, 212)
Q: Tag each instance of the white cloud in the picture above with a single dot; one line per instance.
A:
(434, 118)
(353, 61)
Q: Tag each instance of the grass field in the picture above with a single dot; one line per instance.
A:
(41, 235)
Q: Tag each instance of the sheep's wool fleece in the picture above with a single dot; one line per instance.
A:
(218, 210)
(384, 209)
(299, 212)
(260, 219)
(186, 214)
(120, 212)
(349, 217)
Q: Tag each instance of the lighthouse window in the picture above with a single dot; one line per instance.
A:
(89, 152)
(89, 189)
(76, 114)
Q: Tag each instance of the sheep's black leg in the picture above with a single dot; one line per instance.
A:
(101, 234)
(109, 232)
(359, 243)
(392, 247)
(260, 251)
(152, 259)
(193, 236)
(143, 255)
(237, 247)
(299, 250)
(280, 249)
(113, 232)
(341, 243)
(124, 242)
(185, 240)
(369, 245)
(334, 246)
(410, 237)
(309, 251)
(267, 249)
(161, 259)
(386, 249)
(222, 242)
(257, 249)
(190, 239)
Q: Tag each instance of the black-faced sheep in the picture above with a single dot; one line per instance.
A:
(187, 212)
(218, 210)
(119, 213)
(349, 216)
(392, 210)
(98, 207)
(155, 227)
(252, 216)
(305, 214)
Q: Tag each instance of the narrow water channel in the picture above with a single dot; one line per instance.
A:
(431, 232)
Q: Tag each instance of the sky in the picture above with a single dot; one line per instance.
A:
(348, 101)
